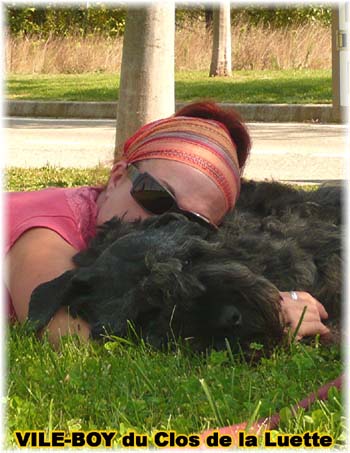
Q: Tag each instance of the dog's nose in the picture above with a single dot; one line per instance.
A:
(232, 317)
(236, 317)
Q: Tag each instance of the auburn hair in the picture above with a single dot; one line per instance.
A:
(229, 118)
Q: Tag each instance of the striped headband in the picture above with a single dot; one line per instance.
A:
(203, 144)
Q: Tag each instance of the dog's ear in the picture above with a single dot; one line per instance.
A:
(46, 299)
(83, 280)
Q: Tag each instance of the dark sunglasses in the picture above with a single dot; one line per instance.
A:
(157, 199)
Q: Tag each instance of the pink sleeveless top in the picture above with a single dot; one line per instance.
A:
(71, 213)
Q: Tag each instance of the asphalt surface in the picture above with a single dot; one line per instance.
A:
(294, 152)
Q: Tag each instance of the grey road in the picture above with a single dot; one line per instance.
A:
(296, 152)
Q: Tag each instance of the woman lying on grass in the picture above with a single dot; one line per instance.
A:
(190, 163)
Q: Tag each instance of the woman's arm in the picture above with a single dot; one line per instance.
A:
(38, 256)
(315, 312)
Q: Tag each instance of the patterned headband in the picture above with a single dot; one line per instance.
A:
(200, 143)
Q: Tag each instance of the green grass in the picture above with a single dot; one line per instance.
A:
(21, 179)
(125, 385)
(284, 86)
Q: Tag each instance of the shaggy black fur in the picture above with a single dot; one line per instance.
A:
(173, 278)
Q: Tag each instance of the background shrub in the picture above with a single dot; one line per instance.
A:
(109, 21)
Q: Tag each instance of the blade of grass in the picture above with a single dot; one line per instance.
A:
(211, 401)
(298, 325)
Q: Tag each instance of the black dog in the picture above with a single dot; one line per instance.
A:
(170, 277)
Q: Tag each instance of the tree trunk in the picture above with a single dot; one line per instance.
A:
(147, 89)
(208, 17)
(221, 53)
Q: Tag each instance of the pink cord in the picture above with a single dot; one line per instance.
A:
(268, 423)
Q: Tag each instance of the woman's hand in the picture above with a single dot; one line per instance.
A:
(292, 310)
(62, 324)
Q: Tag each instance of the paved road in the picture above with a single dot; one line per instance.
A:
(295, 152)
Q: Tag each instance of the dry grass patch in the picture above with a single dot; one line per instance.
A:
(63, 55)
(253, 47)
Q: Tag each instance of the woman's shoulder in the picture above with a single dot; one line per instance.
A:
(45, 199)
(70, 212)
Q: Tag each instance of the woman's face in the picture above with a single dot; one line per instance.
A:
(193, 190)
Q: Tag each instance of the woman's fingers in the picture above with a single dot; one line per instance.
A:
(292, 310)
(322, 310)
(310, 328)
(307, 297)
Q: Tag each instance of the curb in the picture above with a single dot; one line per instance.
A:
(320, 113)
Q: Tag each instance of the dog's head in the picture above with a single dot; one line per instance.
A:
(170, 278)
